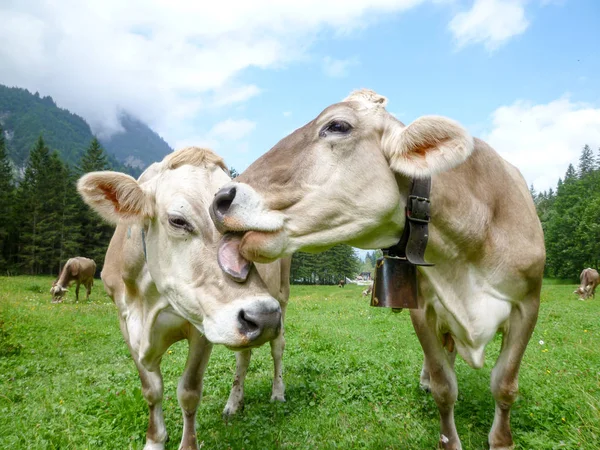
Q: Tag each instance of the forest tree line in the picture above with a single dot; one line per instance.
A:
(43, 221)
(570, 216)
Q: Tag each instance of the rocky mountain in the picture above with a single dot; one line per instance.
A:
(25, 116)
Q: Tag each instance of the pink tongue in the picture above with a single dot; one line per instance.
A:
(230, 260)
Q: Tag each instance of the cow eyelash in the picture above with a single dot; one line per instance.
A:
(337, 127)
(180, 223)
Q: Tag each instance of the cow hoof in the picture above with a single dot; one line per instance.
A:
(229, 412)
(449, 444)
(278, 398)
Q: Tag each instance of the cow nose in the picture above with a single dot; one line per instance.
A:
(259, 326)
(223, 200)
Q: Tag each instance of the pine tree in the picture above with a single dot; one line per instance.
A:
(94, 159)
(95, 234)
(570, 175)
(586, 161)
(40, 208)
(7, 202)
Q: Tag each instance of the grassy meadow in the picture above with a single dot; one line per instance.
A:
(351, 371)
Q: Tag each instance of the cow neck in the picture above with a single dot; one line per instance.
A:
(413, 242)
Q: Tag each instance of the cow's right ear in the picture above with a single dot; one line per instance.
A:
(115, 196)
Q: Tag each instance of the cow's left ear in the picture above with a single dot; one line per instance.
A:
(115, 196)
(429, 145)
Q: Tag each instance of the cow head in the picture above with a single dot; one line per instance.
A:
(170, 201)
(582, 292)
(58, 292)
(341, 178)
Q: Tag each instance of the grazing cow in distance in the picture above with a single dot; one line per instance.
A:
(589, 279)
(79, 270)
(368, 290)
(342, 283)
(345, 178)
(162, 273)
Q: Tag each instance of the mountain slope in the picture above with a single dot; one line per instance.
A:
(25, 116)
(138, 146)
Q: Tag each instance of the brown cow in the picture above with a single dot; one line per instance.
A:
(345, 177)
(368, 290)
(342, 283)
(79, 270)
(589, 279)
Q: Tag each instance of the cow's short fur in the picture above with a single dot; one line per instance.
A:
(344, 178)
(157, 274)
(77, 270)
(589, 280)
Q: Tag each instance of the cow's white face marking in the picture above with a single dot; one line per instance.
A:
(181, 247)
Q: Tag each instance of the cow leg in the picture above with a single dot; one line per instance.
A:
(236, 396)
(505, 374)
(88, 290)
(152, 390)
(77, 292)
(442, 379)
(277, 347)
(189, 389)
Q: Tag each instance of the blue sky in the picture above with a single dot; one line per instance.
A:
(239, 76)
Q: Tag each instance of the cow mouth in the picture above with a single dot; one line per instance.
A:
(237, 251)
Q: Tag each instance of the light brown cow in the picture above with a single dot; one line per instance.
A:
(589, 279)
(345, 177)
(161, 272)
(368, 290)
(77, 270)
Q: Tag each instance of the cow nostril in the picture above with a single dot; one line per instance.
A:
(248, 326)
(223, 200)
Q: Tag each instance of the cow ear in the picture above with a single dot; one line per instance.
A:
(429, 145)
(115, 196)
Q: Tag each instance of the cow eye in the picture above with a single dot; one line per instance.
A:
(336, 126)
(180, 223)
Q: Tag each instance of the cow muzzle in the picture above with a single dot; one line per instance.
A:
(259, 323)
(239, 208)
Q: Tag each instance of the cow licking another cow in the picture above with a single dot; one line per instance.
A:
(345, 178)
(161, 271)
(589, 279)
(77, 270)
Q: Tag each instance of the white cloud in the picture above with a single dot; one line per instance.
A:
(491, 22)
(541, 140)
(163, 62)
(338, 68)
(233, 130)
(229, 96)
(287, 114)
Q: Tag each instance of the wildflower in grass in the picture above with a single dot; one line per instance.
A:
(541, 342)
(545, 350)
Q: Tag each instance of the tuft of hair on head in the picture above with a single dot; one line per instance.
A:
(194, 156)
(367, 97)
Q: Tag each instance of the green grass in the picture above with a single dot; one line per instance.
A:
(67, 380)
